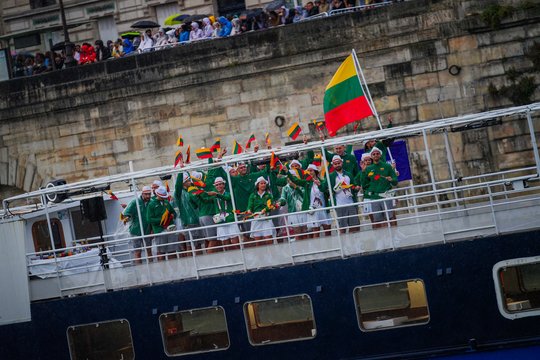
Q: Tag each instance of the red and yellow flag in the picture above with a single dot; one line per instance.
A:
(267, 139)
(203, 153)
(237, 149)
(179, 141)
(273, 160)
(344, 99)
(194, 190)
(294, 131)
(216, 146)
(250, 140)
(188, 154)
(319, 124)
(178, 157)
(111, 194)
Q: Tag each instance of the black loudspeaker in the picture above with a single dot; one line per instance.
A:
(93, 209)
(59, 196)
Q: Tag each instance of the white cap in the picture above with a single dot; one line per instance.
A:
(219, 179)
(157, 183)
(313, 167)
(185, 177)
(375, 149)
(196, 175)
(162, 192)
(337, 158)
(146, 189)
(259, 179)
(365, 156)
(295, 162)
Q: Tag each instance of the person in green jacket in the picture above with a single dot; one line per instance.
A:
(260, 203)
(185, 199)
(160, 216)
(292, 195)
(131, 214)
(228, 233)
(382, 145)
(377, 179)
(365, 161)
(205, 205)
(350, 164)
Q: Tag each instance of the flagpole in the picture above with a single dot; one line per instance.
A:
(369, 98)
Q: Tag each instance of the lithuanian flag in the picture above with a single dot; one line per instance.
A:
(250, 140)
(216, 146)
(237, 149)
(273, 160)
(188, 154)
(177, 157)
(194, 190)
(344, 99)
(111, 194)
(267, 139)
(179, 141)
(294, 131)
(319, 124)
(203, 153)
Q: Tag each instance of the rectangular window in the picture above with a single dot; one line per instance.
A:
(391, 305)
(36, 4)
(281, 319)
(103, 340)
(194, 331)
(41, 235)
(518, 284)
(84, 228)
(22, 42)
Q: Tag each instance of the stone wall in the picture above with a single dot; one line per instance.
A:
(91, 121)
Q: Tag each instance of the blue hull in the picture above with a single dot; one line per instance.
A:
(461, 300)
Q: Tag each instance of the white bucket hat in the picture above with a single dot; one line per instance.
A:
(162, 192)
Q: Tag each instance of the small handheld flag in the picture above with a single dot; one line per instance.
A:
(319, 124)
(237, 149)
(180, 141)
(273, 161)
(216, 146)
(178, 157)
(267, 139)
(203, 153)
(111, 194)
(250, 140)
(294, 131)
(188, 154)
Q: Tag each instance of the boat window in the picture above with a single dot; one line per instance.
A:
(42, 240)
(518, 287)
(391, 305)
(84, 228)
(103, 340)
(280, 319)
(194, 331)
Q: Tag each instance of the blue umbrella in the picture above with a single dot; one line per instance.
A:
(181, 17)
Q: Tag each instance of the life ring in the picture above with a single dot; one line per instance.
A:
(279, 121)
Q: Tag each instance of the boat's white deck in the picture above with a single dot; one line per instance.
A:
(414, 229)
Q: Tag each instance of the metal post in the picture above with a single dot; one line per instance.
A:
(450, 158)
(240, 238)
(330, 190)
(51, 236)
(432, 176)
(533, 142)
(70, 61)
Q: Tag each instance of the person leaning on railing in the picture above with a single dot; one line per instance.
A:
(131, 214)
(160, 215)
(260, 203)
(377, 179)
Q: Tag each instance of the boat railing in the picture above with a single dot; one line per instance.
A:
(412, 212)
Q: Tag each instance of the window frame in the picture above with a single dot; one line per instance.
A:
(501, 303)
(244, 307)
(60, 231)
(357, 306)
(194, 352)
(98, 323)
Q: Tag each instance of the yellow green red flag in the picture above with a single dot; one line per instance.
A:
(344, 99)
(237, 149)
(203, 153)
(294, 131)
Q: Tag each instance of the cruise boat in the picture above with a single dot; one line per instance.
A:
(459, 276)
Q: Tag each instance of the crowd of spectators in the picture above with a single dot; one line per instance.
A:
(204, 29)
